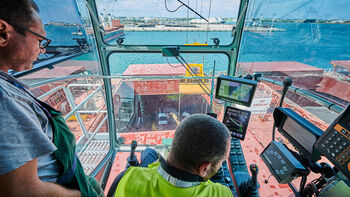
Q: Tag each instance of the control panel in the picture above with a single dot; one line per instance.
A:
(281, 163)
(223, 177)
(238, 167)
(236, 157)
(335, 142)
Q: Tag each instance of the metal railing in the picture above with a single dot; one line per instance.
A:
(75, 108)
(330, 105)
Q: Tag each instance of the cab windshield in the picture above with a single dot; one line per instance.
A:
(108, 71)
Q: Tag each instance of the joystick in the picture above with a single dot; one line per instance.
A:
(254, 170)
(251, 186)
(132, 159)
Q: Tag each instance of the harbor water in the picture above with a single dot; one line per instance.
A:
(309, 43)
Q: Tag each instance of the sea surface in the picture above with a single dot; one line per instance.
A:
(310, 43)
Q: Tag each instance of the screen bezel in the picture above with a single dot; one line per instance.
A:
(293, 137)
(280, 115)
(237, 80)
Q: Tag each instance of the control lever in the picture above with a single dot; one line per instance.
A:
(132, 159)
(251, 187)
(254, 170)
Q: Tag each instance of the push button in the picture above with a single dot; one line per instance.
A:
(347, 153)
(344, 157)
(339, 160)
(344, 132)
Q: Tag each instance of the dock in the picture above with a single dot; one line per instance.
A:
(199, 28)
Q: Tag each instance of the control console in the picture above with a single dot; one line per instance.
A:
(281, 163)
(335, 142)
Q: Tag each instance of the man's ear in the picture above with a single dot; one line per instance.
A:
(4, 32)
(204, 169)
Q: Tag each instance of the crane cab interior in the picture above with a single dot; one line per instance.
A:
(277, 74)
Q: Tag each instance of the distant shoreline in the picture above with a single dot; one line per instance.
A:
(199, 28)
(269, 21)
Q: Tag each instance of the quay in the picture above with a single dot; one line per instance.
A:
(199, 27)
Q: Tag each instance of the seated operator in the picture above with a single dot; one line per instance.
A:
(201, 143)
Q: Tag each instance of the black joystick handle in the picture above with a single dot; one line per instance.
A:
(132, 160)
(254, 170)
(133, 148)
(251, 186)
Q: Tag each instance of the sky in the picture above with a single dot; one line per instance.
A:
(58, 10)
(296, 9)
(65, 10)
(219, 8)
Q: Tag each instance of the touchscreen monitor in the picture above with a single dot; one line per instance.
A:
(236, 90)
(236, 120)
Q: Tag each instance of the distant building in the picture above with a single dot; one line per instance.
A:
(211, 20)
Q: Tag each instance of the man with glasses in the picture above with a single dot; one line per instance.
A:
(44, 42)
(28, 165)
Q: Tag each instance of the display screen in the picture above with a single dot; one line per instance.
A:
(236, 120)
(237, 90)
(301, 135)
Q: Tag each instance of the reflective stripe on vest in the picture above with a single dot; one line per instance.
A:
(140, 182)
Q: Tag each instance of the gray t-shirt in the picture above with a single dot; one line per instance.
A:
(25, 132)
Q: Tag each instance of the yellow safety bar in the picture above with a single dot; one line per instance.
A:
(197, 44)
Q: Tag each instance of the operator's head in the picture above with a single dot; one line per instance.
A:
(201, 143)
(21, 34)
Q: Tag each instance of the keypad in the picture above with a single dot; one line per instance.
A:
(337, 145)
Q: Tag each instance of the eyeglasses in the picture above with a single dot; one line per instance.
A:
(42, 43)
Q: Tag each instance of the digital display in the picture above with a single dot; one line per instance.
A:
(237, 90)
(236, 120)
(300, 134)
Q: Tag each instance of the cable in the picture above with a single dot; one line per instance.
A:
(166, 7)
(170, 64)
(192, 10)
(188, 13)
(266, 181)
(310, 190)
(208, 21)
(195, 78)
(302, 185)
(192, 72)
